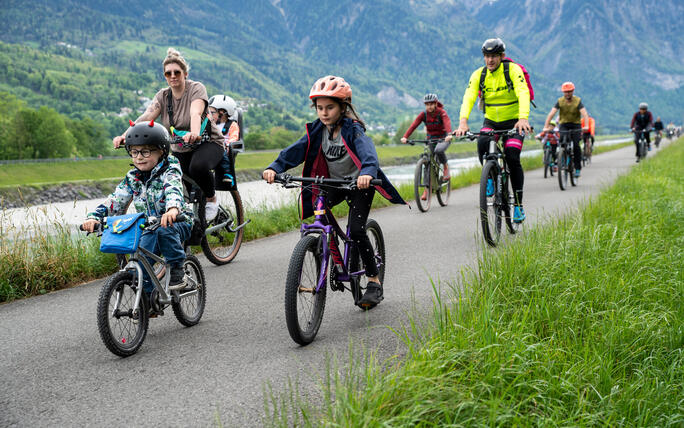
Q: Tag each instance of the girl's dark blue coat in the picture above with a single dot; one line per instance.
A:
(308, 150)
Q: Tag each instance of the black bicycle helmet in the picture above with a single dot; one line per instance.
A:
(430, 98)
(148, 134)
(493, 46)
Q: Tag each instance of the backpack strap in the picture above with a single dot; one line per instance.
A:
(169, 106)
(482, 87)
(507, 75)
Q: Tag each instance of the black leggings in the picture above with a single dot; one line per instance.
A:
(512, 148)
(647, 135)
(575, 135)
(359, 206)
(198, 164)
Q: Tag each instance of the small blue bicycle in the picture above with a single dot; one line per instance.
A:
(123, 312)
(307, 275)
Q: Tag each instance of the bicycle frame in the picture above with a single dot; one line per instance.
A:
(327, 227)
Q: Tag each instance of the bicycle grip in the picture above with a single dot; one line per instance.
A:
(376, 182)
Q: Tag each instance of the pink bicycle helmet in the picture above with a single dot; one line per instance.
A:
(331, 86)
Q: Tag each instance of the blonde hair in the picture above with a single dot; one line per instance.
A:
(173, 56)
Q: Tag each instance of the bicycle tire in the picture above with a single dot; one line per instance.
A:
(490, 210)
(124, 338)
(563, 169)
(221, 246)
(302, 278)
(571, 168)
(443, 189)
(508, 207)
(377, 240)
(423, 206)
(196, 281)
(547, 162)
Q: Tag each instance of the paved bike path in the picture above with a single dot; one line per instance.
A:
(55, 371)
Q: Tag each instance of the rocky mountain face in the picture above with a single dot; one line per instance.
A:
(392, 51)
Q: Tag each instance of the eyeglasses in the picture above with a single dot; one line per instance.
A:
(168, 73)
(144, 152)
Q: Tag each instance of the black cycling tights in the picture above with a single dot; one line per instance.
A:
(360, 205)
(512, 148)
(198, 164)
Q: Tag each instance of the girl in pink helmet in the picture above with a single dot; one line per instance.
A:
(336, 146)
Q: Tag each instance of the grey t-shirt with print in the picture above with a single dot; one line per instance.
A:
(181, 111)
(340, 163)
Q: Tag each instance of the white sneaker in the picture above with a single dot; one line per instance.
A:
(210, 211)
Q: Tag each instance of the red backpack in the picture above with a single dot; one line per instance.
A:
(507, 76)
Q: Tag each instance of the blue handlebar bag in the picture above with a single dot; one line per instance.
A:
(121, 234)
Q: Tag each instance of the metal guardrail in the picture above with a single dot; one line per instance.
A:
(53, 160)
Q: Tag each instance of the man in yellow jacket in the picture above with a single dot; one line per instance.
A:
(506, 104)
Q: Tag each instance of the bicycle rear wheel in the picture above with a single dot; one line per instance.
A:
(222, 244)
(121, 328)
(377, 241)
(443, 188)
(563, 168)
(188, 303)
(490, 208)
(304, 306)
(422, 170)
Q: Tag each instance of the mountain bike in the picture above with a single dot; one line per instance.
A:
(310, 265)
(429, 176)
(548, 159)
(641, 144)
(123, 311)
(497, 199)
(587, 149)
(566, 164)
(221, 238)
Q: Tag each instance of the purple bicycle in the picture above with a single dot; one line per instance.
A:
(310, 265)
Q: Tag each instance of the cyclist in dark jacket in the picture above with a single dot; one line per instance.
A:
(336, 146)
(642, 121)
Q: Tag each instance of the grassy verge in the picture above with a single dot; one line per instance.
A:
(578, 323)
(37, 264)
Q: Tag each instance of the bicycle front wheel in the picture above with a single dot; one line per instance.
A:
(443, 188)
(563, 168)
(490, 204)
(188, 303)
(304, 306)
(419, 186)
(122, 327)
(547, 161)
(223, 242)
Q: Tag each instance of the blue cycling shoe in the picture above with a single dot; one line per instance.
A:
(490, 187)
(577, 173)
(518, 214)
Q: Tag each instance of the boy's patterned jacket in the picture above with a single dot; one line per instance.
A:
(163, 190)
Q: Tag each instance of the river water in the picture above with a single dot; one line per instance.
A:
(256, 195)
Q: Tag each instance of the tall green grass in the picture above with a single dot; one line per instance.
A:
(577, 323)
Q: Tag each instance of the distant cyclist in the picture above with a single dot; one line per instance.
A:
(504, 108)
(572, 112)
(642, 122)
(552, 137)
(437, 126)
(588, 132)
(658, 127)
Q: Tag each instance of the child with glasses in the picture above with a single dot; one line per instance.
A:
(154, 185)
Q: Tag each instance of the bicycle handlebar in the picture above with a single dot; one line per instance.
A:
(150, 222)
(433, 141)
(285, 179)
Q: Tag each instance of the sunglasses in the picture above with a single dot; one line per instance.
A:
(169, 73)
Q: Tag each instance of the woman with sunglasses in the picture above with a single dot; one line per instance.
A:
(183, 110)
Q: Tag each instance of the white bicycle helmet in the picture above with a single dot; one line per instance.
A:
(224, 102)
(643, 105)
